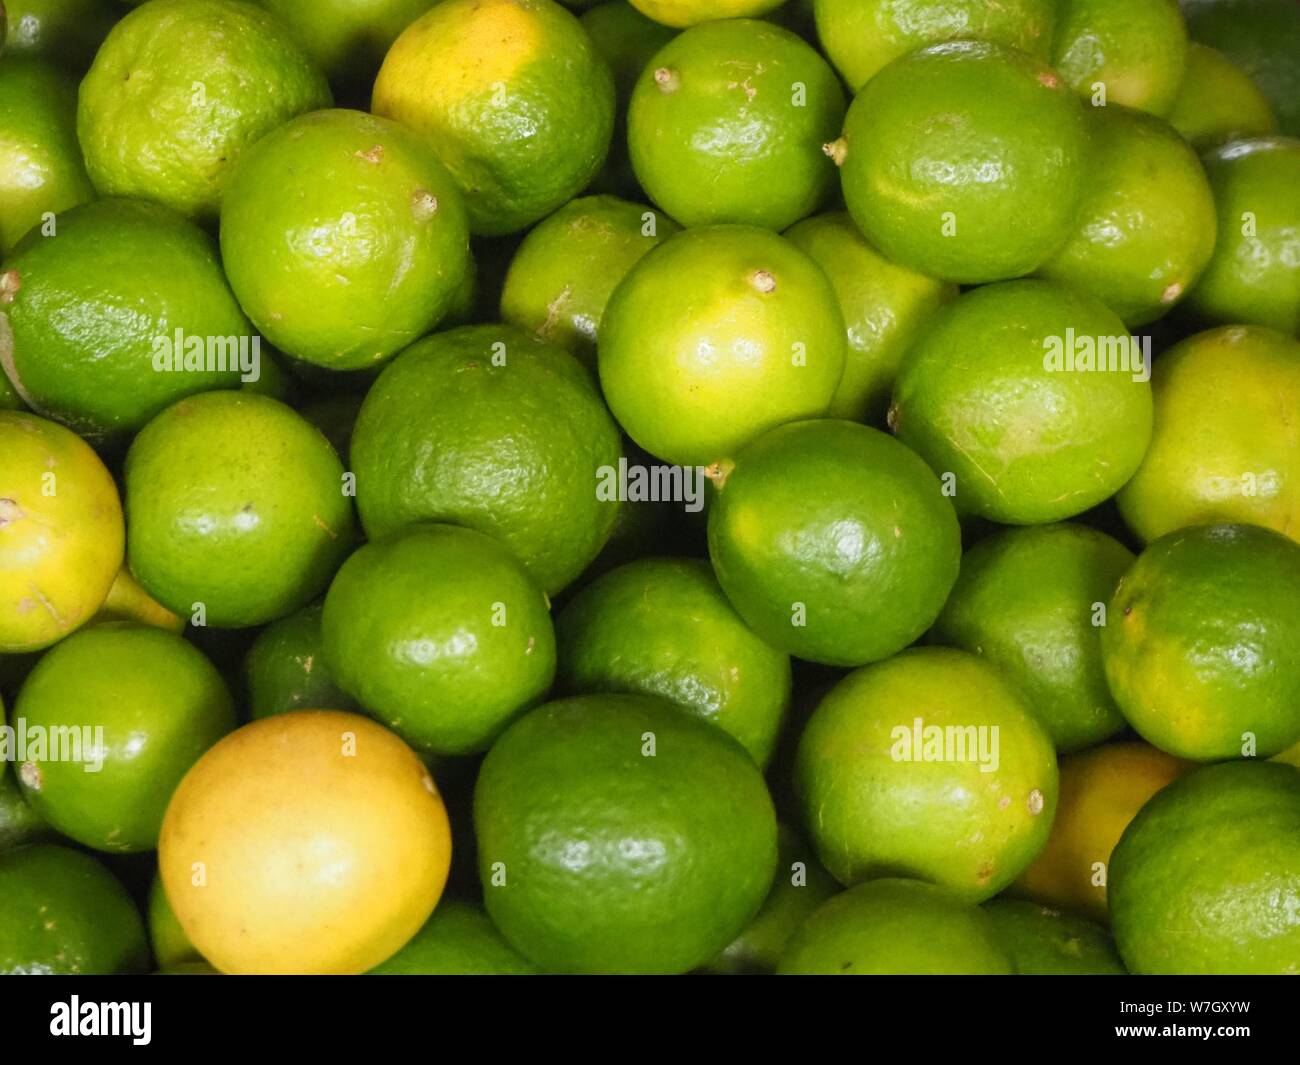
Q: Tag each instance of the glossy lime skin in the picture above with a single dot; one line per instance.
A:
(235, 502)
(616, 860)
(727, 121)
(1254, 274)
(65, 914)
(716, 335)
(1026, 600)
(1047, 942)
(93, 305)
(458, 940)
(285, 669)
(1218, 102)
(441, 634)
(1146, 227)
(1203, 881)
(965, 161)
(489, 428)
(884, 307)
(978, 396)
(1202, 645)
(565, 270)
(343, 237)
(896, 927)
(663, 627)
(1225, 447)
(66, 32)
(833, 541)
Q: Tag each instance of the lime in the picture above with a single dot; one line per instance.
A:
(65, 914)
(1202, 648)
(487, 427)
(285, 669)
(1046, 942)
(884, 306)
(689, 12)
(513, 97)
(716, 335)
(1254, 274)
(171, 946)
(1146, 227)
(620, 834)
(564, 272)
(67, 32)
(41, 172)
(1030, 398)
(1225, 447)
(663, 627)
(180, 90)
(123, 312)
(862, 36)
(61, 534)
(458, 940)
(896, 927)
(727, 122)
(335, 416)
(19, 823)
(964, 161)
(1218, 102)
(1031, 601)
(237, 506)
(1204, 881)
(301, 822)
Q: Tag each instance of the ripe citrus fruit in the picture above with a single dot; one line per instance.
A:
(1225, 447)
(931, 765)
(513, 97)
(180, 90)
(621, 834)
(663, 627)
(689, 12)
(964, 161)
(727, 122)
(1032, 396)
(719, 333)
(884, 306)
(458, 940)
(1028, 600)
(343, 237)
(1204, 881)
(171, 946)
(301, 822)
(1046, 942)
(61, 532)
(833, 541)
(285, 669)
(564, 272)
(487, 427)
(896, 927)
(237, 504)
(122, 312)
(1218, 102)
(1254, 274)
(66, 32)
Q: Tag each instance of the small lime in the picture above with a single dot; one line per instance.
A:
(285, 669)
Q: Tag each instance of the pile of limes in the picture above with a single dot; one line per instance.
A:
(495, 486)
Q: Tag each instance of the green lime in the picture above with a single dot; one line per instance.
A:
(124, 311)
(335, 416)
(663, 627)
(1145, 230)
(343, 237)
(727, 122)
(964, 161)
(180, 90)
(514, 98)
(564, 272)
(1202, 642)
(755, 338)
(682, 13)
(1254, 274)
(1047, 942)
(67, 32)
(621, 834)
(285, 669)
(236, 509)
(487, 427)
(171, 946)
(929, 765)
(1225, 447)
(65, 914)
(458, 940)
(884, 307)
(1029, 398)
(441, 634)
(1203, 882)
(863, 36)
(1218, 102)
(19, 823)
(895, 927)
